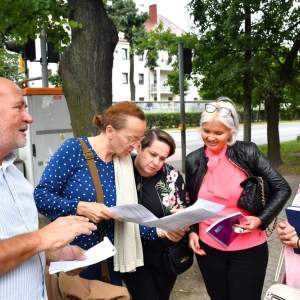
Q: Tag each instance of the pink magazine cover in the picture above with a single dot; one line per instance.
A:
(221, 230)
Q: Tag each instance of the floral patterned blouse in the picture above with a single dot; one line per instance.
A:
(159, 194)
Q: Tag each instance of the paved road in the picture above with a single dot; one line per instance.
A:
(287, 131)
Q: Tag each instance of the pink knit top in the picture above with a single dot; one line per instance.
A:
(221, 184)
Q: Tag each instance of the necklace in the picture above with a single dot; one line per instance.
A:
(140, 184)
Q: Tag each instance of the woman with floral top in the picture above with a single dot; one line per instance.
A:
(161, 190)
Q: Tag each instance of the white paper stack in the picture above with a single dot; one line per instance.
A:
(100, 252)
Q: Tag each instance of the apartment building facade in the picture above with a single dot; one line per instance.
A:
(149, 84)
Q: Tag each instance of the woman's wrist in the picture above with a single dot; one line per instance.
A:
(160, 233)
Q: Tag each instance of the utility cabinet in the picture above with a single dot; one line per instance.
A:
(50, 128)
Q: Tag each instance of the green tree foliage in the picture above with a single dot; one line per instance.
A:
(131, 23)
(23, 19)
(249, 47)
(55, 80)
(165, 40)
(88, 37)
(9, 66)
(173, 82)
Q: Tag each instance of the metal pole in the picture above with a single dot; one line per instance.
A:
(44, 62)
(182, 106)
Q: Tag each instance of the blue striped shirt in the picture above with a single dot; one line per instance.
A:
(18, 215)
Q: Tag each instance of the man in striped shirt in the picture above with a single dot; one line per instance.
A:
(24, 249)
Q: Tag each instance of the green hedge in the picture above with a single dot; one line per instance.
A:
(172, 120)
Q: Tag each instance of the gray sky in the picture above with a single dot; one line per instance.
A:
(174, 10)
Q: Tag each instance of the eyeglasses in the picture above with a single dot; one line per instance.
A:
(132, 141)
(223, 111)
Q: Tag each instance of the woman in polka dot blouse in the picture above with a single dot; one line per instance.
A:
(161, 190)
(66, 187)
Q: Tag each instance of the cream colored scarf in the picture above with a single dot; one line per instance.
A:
(127, 239)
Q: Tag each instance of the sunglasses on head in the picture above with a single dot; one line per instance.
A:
(224, 99)
(223, 111)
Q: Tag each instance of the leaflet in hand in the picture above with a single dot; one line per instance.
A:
(293, 216)
(221, 230)
(100, 252)
(199, 211)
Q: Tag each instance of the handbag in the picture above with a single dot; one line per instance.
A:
(177, 258)
(256, 194)
(280, 291)
(60, 285)
(75, 287)
(89, 289)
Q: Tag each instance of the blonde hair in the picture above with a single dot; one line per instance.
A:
(231, 121)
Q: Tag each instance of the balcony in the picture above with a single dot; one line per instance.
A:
(162, 89)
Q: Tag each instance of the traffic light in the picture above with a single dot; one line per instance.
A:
(22, 64)
(24, 85)
(27, 50)
(53, 56)
(187, 60)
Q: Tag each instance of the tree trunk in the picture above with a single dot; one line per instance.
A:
(131, 76)
(247, 82)
(272, 105)
(86, 65)
(247, 113)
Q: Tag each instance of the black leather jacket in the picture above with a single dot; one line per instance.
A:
(246, 156)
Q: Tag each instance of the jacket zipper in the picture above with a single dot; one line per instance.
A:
(238, 167)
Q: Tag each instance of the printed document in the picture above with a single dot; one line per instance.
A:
(201, 210)
(100, 252)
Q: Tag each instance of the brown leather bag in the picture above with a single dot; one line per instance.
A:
(61, 286)
(53, 291)
(90, 289)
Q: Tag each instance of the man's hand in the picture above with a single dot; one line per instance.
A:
(72, 253)
(63, 231)
(95, 211)
(67, 253)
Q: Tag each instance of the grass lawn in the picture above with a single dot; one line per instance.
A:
(290, 155)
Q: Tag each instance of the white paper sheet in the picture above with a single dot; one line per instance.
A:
(100, 252)
(201, 210)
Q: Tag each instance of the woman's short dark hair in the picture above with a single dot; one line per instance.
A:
(159, 135)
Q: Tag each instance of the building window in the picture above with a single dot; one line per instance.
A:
(141, 78)
(124, 53)
(155, 98)
(49, 71)
(154, 78)
(125, 78)
(141, 57)
(141, 99)
(170, 98)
